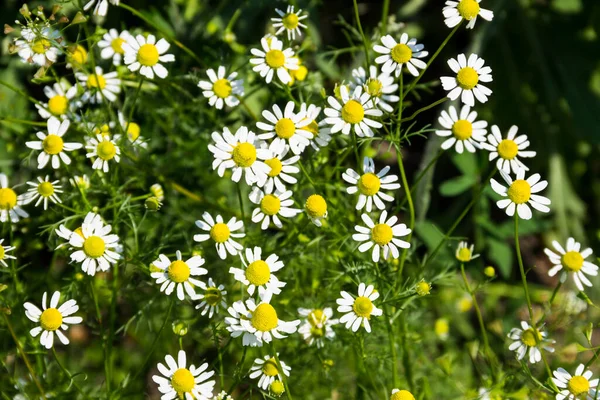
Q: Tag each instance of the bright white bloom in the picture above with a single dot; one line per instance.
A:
(521, 192)
(267, 369)
(221, 233)
(258, 323)
(272, 205)
(101, 6)
(317, 326)
(65, 233)
(574, 387)
(281, 170)
(464, 253)
(379, 86)
(52, 320)
(259, 273)
(572, 261)
(370, 184)
(112, 45)
(382, 236)
(213, 298)
(508, 150)
(243, 153)
(60, 100)
(529, 339)
(41, 47)
(222, 89)
(157, 191)
(146, 55)
(289, 21)
(52, 145)
(464, 131)
(98, 85)
(351, 113)
(320, 131)
(398, 394)
(285, 128)
(42, 191)
(178, 274)
(395, 55)
(455, 11)
(103, 149)
(177, 381)
(274, 60)
(358, 311)
(10, 202)
(94, 246)
(80, 182)
(466, 83)
(4, 254)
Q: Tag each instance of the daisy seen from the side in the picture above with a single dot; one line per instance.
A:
(60, 100)
(145, 54)
(282, 170)
(221, 233)
(397, 54)
(370, 185)
(267, 371)
(132, 130)
(467, 82)
(316, 209)
(358, 311)
(272, 59)
(352, 113)
(528, 339)
(103, 149)
(320, 130)
(52, 145)
(572, 260)
(465, 253)
(380, 86)
(508, 150)
(457, 11)
(521, 193)
(10, 202)
(285, 128)
(289, 21)
(98, 85)
(317, 325)
(577, 386)
(462, 130)
(178, 381)
(212, 298)
(222, 89)
(178, 275)
(271, 206)
(112, 45)
(42, 191)
(95, 247)
(259, 274)
(4, 254)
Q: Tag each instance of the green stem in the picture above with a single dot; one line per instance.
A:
(420, 110)
(306, 174)
(362, 34)
(241, 200)
(66, 372)
(248, 110)
(220, 354)
(392, 344)
(411, 208)
(137, 92)
(384, 16)
(356, 152)
(406, 354)
(420, 176)
(280, 368)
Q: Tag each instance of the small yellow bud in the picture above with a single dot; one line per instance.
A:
(423, 288)
(489, 271)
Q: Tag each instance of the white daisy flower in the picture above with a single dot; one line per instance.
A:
(213, 298)
(398, 394)
(42, 191)
(382, 236)
(370, 184)
(316, 209)
(94, 246)
(508, 150)
(221, 233)
(274, 60)
(52, 320)
(222, 396)
(146, 55)
(4, 254)
(222, 89)
(40, 47)
(101, 6)
(103, 149)
(466, 83)
(578, 386)
(60, 100)
(259, 273)
(317, 326)
(178, 275)
(272, 205)
(395, 55)
(258, 323)
(243, 153)
(320, 131)
(529, 339)
(358, 311)
(267, 371)
(281, 170)
(520, 193)
(464, 253)
(464, 131)
(351, 113)
(289, 21)
(112, 45)
(80, 182)
(284, 128)
(572, 261)
(65, 233)
(52, 146)
(133, 131)
(178, 381)
(98, 85)
(455, 11)
(157, 191)
(379, 86)
(10, 202)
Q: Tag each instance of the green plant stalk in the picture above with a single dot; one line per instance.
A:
(135, 97)
(66, 372)
(279, 366)
(241, 200)
(356, 147)
(248, 110)
(411, 210)
(362, 34)
(420, 110)
(384, 16)
(406, 362)
(420, 176)
(392, 344)
(220, 354)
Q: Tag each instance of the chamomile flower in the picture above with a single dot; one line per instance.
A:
(317, 326)
(455, 11)
(10, 202)
(53, 319)
(60, 100)
(281, 170)
(157, 191)
(4, 254)
(398, 394)
(99, 85)
(379, 86)
(320, 131)
(272, 59)
(289, 21)
(221, 89)
(271, 206)
(395, 55)
(316, 209)
(258, 323)
(243, 153)
(101, 6)
(578, 386)
(267, 371)
(178, 274)
(95, 248)
(358, 311)
(520, 193)
(102, 149)
(464, 253)
(463, 130)
(41, 48)
(112, 45)
(572, 261)
(42, 191)
(508, 150)
(382, 237)
(529, 339)
(133, 130)
(222, 396)
(145, 54)
(65, 233)
(370, 184)
(259, 273)
(178, 381)
(213, 298)
(221, 233)
(285, 128)
(52, 145)
(80, 182)
(467, 82)
(77, 57)
(353, 112)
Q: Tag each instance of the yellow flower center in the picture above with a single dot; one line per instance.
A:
(401, 53)
(462, 129)
(467, 78)
(369, 184)
(316, 206)
(402, 395)
(573, 261)
(213, 296)
(316, 317)
(45, 189)
(96, 81)
(57, 105)
(183, 381)
(519, 192)
(300, 73)
(353, 112)
(2, 252)
(363, 307)
(117, 45)
(244, 155)
(220, 232)
(290, 21)
(374, 87)
(79, 55)
(106, 150)
(222, 88)
(285, 128)
(465, 304)
(148, 55)
(313, 128)
(275, 58)
(528, 337)
(275, 165)
(53, 144)
(441, 327)
(264, 317)
(277, 388)
(381, 234)
(468, 9)
(178, 271)
(316, 332)
(94, 246)
(258, 273)
(51, 319)
(578, 385)
(133, 131)
(508, 149)
(269, 368)
(464, 254)
(423, 288)
(40, 46)
(8, 199)
(270, 204)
